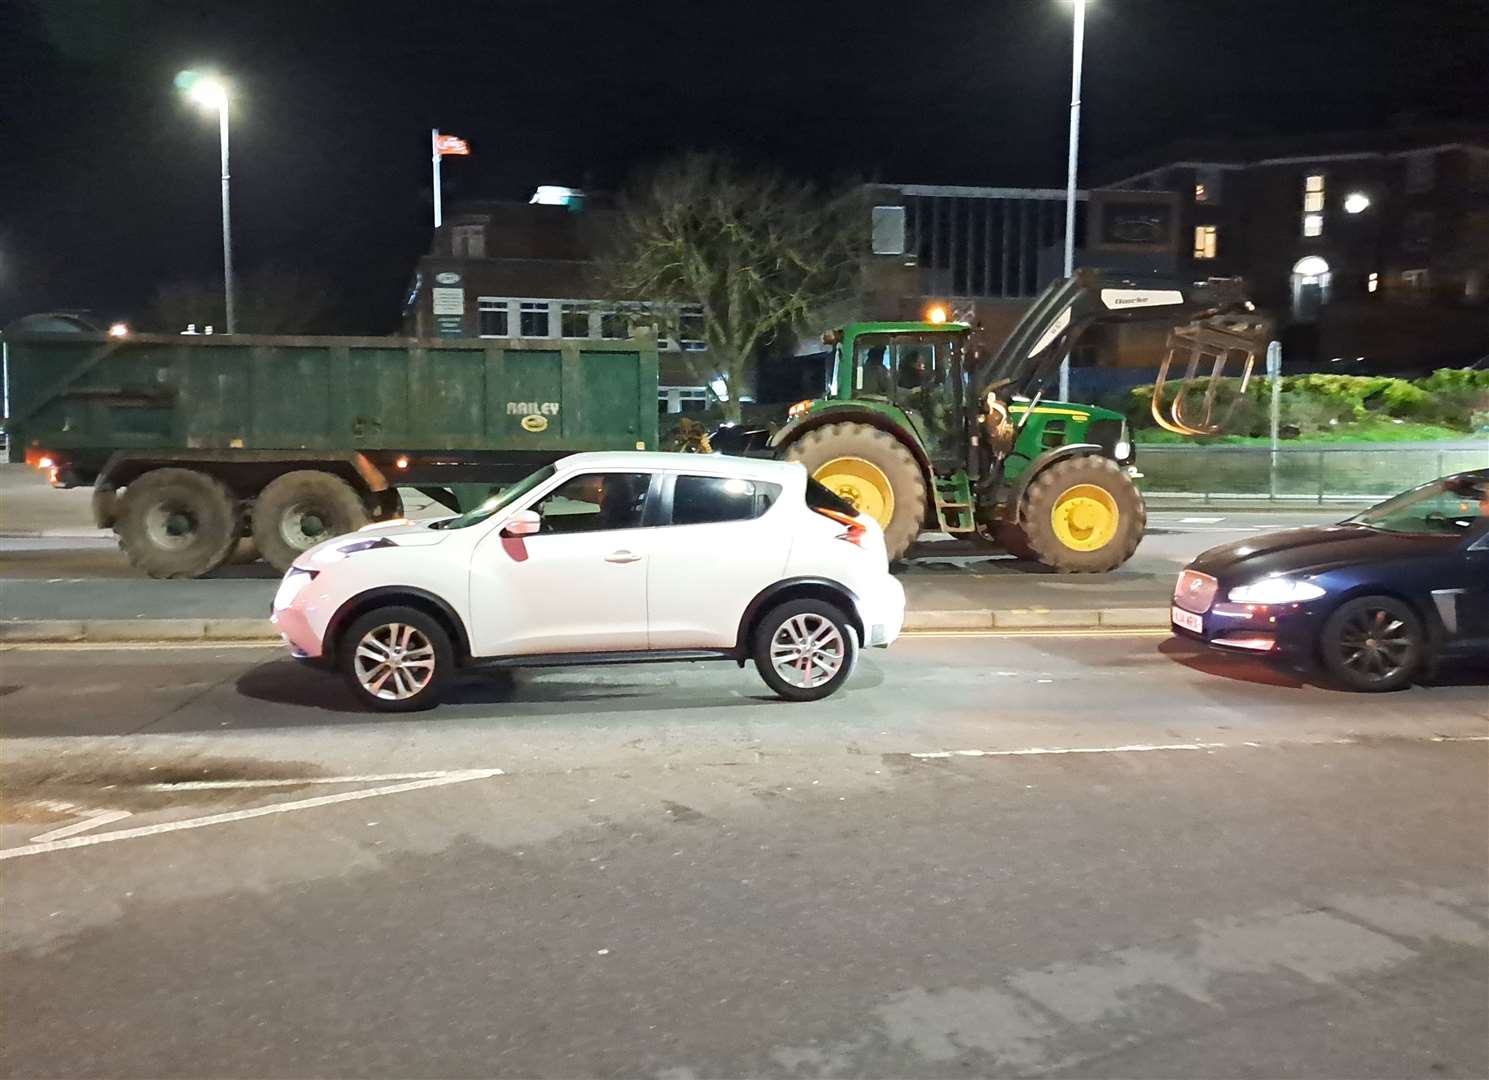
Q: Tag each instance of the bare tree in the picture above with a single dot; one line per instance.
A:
(757, 252)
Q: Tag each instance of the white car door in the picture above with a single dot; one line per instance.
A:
(579, 584)
(721, 548)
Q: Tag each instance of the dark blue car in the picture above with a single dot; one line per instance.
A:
(1374, 600)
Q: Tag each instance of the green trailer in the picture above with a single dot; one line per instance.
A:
(192, 443)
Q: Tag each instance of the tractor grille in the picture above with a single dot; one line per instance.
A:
(1105, 434)
(1195, 591)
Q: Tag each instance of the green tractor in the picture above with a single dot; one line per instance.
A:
(920, 428)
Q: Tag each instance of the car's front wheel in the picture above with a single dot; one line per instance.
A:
(397, 659)
(805, 650)
(1373, 643)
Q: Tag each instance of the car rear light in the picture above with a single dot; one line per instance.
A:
(42, 459)
(855, 532)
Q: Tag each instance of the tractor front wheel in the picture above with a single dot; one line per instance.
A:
(872, 470)
(1083, 515)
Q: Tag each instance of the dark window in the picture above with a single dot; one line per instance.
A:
(699, 500)
(820, 497)
(574, 319)
(595, 501)
(493, 318)
(535, 320)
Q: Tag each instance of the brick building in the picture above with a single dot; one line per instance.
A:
(1364, 245)
(528, 270)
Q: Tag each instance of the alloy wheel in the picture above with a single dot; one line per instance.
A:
(807, 650)
(394, 661)
(1375, 643)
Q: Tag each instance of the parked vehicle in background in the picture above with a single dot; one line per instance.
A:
(1374, 600)
(603, 559)
(921, 429)
(193, 442)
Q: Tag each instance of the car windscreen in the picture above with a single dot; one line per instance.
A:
(1448, 507)
(496, 503)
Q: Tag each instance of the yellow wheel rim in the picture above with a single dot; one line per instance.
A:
(862, 483)
(1085, 517)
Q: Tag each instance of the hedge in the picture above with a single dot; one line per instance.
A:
(1452, 398)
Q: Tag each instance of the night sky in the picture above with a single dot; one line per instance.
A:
(108, 179)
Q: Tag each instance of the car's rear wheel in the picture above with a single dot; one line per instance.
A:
(397, 659)
(1373, 643)
(805, 650)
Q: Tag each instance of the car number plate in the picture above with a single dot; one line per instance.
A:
(1187, 619)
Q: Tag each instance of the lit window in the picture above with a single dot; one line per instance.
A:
(1204, 241)
(1415, 279)
(1200, 194)
(534, 319)
(468, 241)
(1207, 186)
(493, 317)
(1313, 205)
(1372, 283)
(574, 320)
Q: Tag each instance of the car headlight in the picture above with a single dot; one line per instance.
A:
(361, 545)
(1275, 590)
(295, 580)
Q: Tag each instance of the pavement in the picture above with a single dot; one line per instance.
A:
(1016, 854)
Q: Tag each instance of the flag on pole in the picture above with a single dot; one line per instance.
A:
(451, 144)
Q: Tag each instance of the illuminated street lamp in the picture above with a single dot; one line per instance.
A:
(1356, 202)
(1075, 141)
(212, 93)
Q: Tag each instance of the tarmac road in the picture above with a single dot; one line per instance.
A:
(659, 872)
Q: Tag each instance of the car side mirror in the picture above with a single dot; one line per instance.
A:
(522, 523)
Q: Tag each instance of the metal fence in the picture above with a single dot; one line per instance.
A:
(1302, 476)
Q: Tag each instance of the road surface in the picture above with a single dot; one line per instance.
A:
(660, 872)
(75, 578)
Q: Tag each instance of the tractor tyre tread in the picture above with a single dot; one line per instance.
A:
(889, 455)
(1039, 499)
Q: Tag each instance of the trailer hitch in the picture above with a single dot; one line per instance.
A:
(1218, 340)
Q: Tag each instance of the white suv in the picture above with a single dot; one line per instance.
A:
(597, 559)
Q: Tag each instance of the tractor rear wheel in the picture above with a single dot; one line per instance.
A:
(1083, 515)
(872, 470)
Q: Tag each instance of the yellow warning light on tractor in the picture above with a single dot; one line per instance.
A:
(936, 313)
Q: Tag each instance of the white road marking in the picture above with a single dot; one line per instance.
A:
(1036, 751)
(377, 778)
(1143, 748)
(93, 820)
(1200, 520)
(458, 777)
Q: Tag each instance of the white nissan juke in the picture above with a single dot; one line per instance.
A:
(603, 558)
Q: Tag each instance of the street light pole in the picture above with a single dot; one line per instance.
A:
(212, 93)
(227, 223)
(1075, 141)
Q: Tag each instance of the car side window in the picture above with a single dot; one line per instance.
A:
(701, 500)
(594, 502)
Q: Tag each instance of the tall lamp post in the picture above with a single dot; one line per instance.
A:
(1075, 142)
(212, 93)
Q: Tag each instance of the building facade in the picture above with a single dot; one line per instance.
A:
(1371, 246)
(529, 270)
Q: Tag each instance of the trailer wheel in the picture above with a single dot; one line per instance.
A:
(1083, 515)
(176, 523)
(872, 470)
(299, 510)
